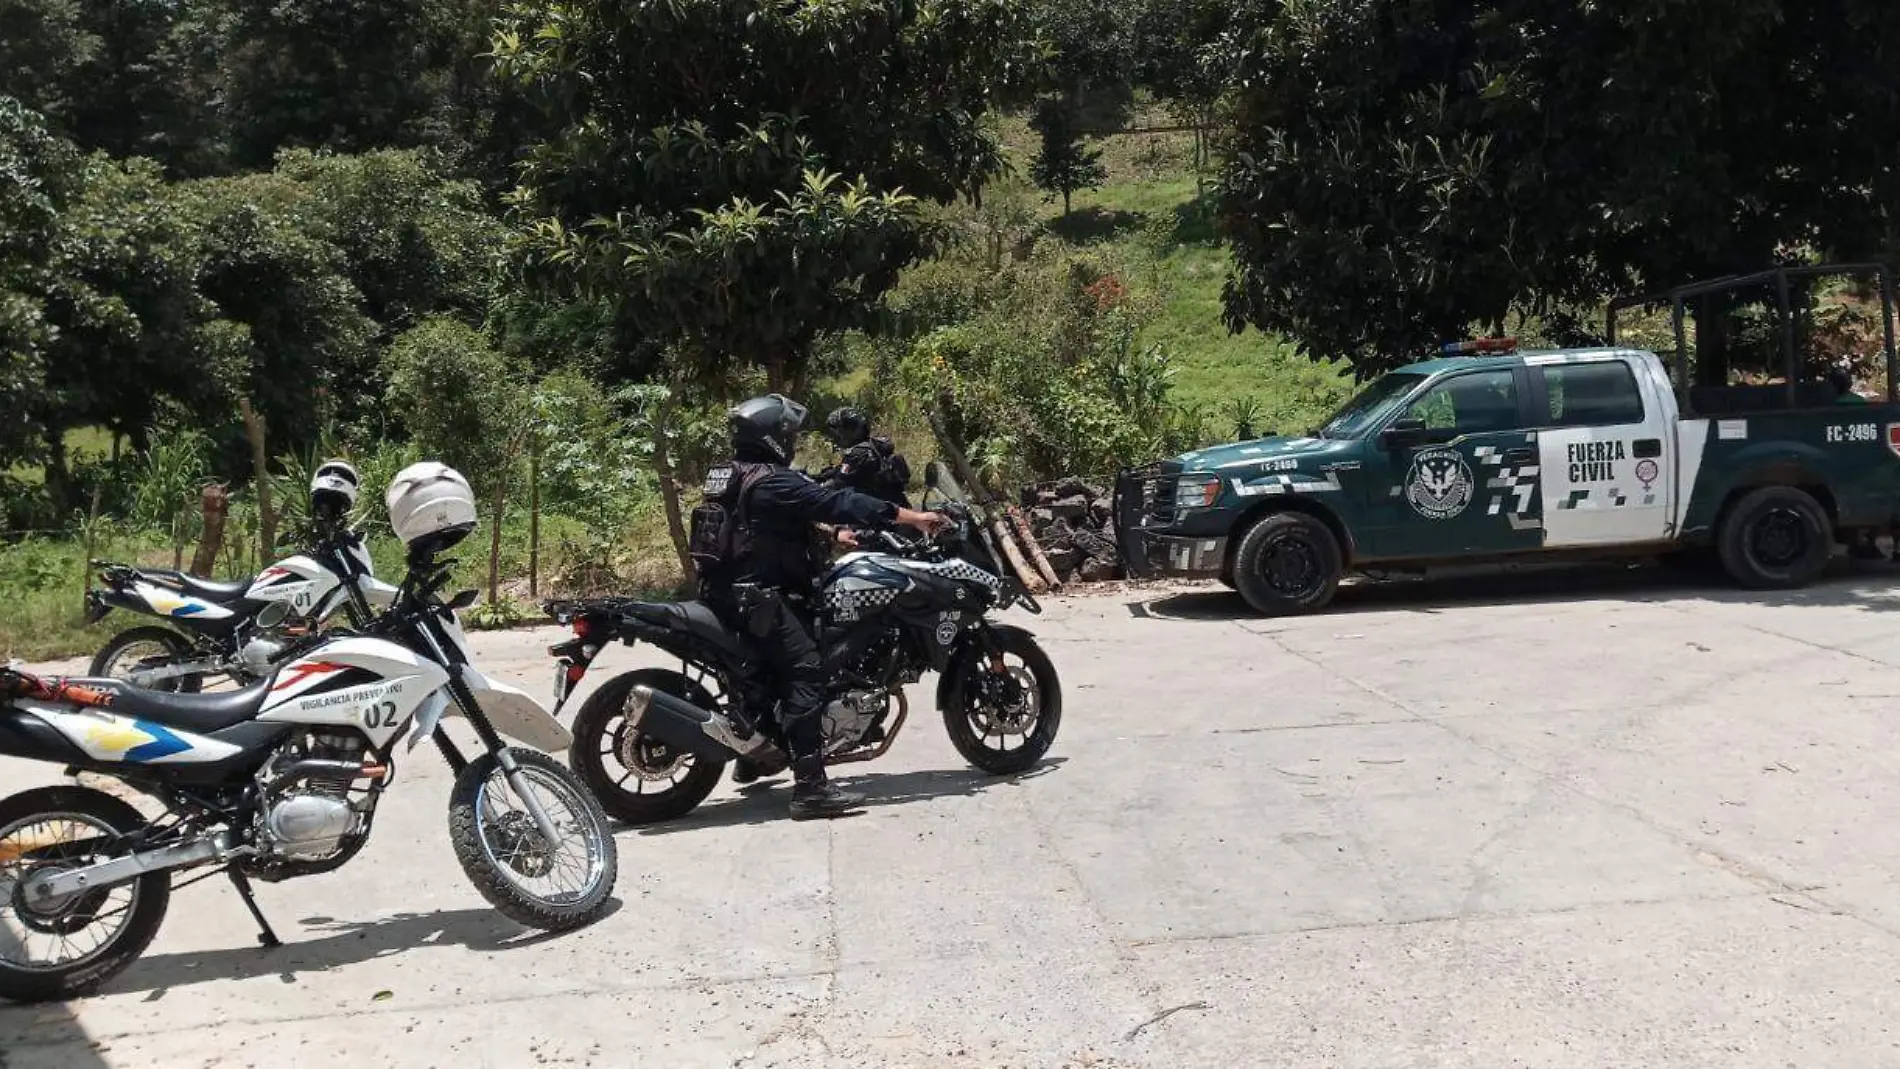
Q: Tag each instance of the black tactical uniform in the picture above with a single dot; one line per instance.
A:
(870, 464)
(771, 581)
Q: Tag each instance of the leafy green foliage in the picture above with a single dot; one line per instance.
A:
(458, 396)
(124, 78)
(414, 241)
(741, 178)
(351, 77)
(39, 174)
(1402, 173)
(1064, 163)
(1044, 376)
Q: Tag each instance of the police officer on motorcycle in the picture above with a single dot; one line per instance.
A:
(870, 464)
(764, 589)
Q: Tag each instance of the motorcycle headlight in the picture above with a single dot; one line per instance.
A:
(1195, 492)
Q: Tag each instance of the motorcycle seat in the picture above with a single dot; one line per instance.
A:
(214, 592)
(694, 618)
(200, 714)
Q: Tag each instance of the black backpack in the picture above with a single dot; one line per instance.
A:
(720, 531)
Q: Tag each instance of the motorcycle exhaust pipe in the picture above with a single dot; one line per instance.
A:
(682, 725)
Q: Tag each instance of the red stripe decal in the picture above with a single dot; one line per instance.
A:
(297, 673)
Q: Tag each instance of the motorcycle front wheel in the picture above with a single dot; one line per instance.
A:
(551, 886)
(636, 778)
(1002, 713)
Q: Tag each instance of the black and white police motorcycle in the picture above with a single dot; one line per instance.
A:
(240, 629)
(282, 778)
(651, 744)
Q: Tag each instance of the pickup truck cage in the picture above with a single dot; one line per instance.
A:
(1783, 280)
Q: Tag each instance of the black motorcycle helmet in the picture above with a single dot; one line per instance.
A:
(768, 424)
(847, 427)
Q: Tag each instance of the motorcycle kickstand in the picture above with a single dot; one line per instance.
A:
(265, 936)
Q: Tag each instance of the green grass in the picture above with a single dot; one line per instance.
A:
(1162, 210)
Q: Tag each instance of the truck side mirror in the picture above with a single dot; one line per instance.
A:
(1402, 432)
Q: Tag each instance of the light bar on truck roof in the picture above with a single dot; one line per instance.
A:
(1480, 345)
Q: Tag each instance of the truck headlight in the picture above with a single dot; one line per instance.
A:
(1195, 492)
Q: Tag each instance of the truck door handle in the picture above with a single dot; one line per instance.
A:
(1647, 447)
(1524, 455)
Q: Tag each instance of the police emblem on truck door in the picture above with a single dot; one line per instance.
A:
(1439, 485)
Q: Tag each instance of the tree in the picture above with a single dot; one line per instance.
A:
(39, 175)
(1184, 56)
(1064, 164)
(415, 242)
(1403, 172)
(118, 76)
(132, 320)
(741, 178)
(347, 75)
(453, 394)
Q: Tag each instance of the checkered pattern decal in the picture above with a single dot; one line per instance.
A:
(1287, 483)
(1512, 486)
(1612, 498)
(848, 597)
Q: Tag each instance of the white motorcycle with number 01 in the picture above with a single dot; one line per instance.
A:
(240, 630)
(281, 779)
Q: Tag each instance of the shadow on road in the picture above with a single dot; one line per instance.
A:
(765, 801)
(338, 943)
(1868, 586)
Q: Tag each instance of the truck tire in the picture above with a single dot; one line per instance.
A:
(1775, 538)
(1287, 563)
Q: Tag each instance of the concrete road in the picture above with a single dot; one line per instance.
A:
(1615, 822)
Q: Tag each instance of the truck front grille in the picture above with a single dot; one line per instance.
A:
(1153, 487)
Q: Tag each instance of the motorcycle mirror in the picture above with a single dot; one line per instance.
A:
(933, 475)
(463, 600)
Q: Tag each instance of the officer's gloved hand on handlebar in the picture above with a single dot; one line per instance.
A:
(925, 523)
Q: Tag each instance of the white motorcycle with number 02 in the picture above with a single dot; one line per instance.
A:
(281, 779)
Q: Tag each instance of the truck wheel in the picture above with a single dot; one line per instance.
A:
(1287, 563)
(1774, 538)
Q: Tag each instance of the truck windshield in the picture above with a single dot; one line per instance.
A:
(1369, 407)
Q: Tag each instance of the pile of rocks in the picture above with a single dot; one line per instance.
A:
(1074, 522)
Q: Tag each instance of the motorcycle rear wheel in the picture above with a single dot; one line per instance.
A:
(158, 642)
(658, 784)
(43, 829)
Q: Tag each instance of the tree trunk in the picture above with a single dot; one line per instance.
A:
(1036, 555)
(260, 470)
(997, 529)
(669, 486)
(92, 530)
(58, 486)
(534, 521)
(214, 502)
(1065, 203)
(494, 540)
(777, 370)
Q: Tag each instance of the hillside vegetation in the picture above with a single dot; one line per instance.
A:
(549, 243)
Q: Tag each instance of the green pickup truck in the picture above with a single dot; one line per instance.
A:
(1496, 455)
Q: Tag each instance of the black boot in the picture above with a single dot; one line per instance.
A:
(814, 796)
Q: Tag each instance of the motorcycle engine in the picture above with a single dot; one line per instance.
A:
(260, 650)
(850, 716)
(311, 814)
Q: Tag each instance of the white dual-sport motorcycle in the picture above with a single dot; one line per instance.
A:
(239, 629)
(277, 780)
